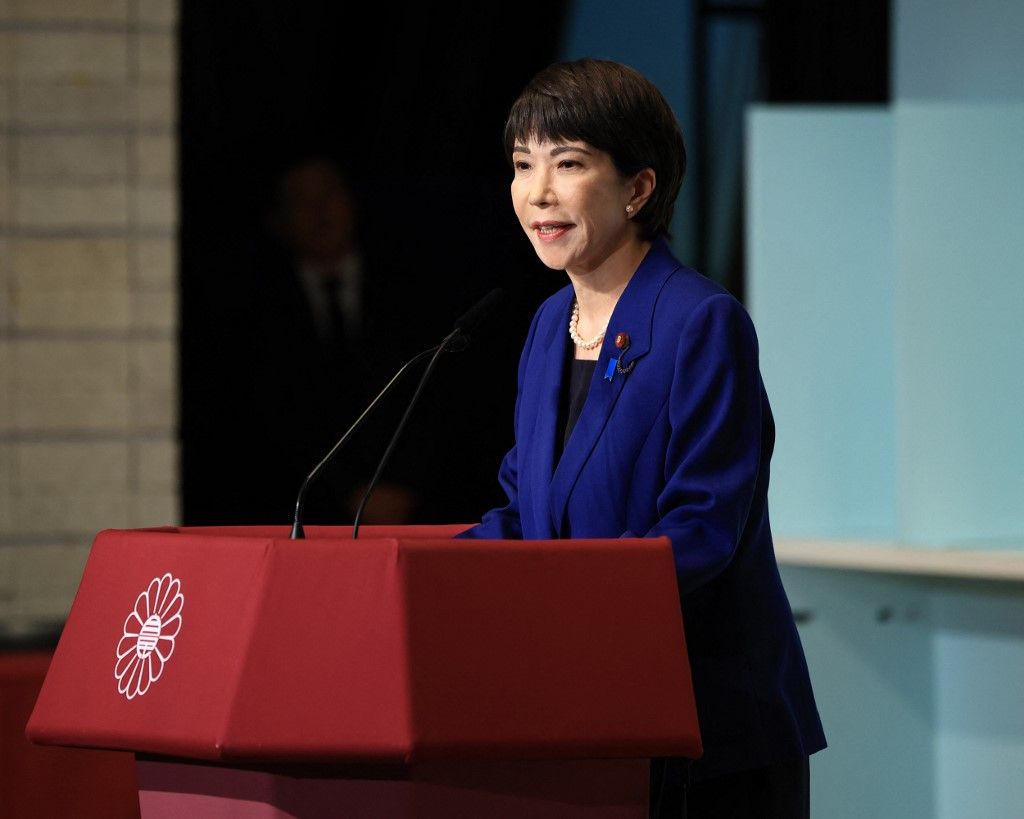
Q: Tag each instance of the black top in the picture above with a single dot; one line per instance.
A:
(581, 372)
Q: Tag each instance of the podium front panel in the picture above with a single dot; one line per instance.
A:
(547, 648)
(403, 646)
(332, 682)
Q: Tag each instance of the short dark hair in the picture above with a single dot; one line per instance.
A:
(615, 109)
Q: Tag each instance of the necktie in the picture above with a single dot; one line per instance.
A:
(335, 316)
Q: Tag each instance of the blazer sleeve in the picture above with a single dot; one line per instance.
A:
(505, 522)
(716, 442)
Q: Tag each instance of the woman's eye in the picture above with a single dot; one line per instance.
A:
(569, 163)
(522, 166)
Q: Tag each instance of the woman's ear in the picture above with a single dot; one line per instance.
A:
(643, 185)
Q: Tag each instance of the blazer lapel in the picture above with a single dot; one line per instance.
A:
(551, 372)
(632, 315)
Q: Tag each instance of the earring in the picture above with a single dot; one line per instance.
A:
(629, 208)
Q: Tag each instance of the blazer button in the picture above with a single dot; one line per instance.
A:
(621, 340)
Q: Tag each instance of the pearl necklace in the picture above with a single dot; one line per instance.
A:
(583, 344)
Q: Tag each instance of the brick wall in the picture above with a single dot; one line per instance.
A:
(88, 286)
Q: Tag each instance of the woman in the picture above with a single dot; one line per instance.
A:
(641, 413)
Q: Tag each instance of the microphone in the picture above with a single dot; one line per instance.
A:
(471, 319)
(455, 341)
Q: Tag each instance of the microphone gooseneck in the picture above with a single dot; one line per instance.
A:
(442, 347)
(455, 341)
(300, 501)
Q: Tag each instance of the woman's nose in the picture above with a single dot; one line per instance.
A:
(541, 194)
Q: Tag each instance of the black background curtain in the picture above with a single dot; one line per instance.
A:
(412, 100)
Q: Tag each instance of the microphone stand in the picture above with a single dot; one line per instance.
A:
(300, 502)
(455, 341)
(454, 336)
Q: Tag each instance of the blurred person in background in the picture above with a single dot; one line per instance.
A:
(324, 331)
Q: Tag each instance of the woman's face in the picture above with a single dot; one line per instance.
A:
(571, 201)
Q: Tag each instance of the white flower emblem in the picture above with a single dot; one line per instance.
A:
(149, 633)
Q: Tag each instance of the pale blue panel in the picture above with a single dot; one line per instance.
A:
(868, 644)
(959, 312)
(979, 684)
(657, 38)
(954, 49)
(820, 280)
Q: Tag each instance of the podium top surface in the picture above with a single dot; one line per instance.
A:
(236, 643)
(313, 532)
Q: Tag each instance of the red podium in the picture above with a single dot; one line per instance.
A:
(401, 674)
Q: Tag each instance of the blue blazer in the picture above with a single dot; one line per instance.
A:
(676, 441)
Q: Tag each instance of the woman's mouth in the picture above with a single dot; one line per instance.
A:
(549, 231)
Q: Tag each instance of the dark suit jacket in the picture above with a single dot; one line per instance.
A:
(678, 446)
(286, 396)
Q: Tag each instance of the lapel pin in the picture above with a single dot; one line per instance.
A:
(615, 364)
